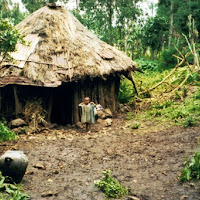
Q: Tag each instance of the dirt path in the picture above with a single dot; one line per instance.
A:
(147, 163)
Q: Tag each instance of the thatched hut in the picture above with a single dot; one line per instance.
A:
(63, 63)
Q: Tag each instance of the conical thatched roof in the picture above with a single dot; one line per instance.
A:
(61, 49)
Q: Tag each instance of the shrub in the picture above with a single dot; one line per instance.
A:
(191, 169)
(125, 91)
(147, 64)
(197, 95)
(193, 78)
(6, 133)
(166, 58)
(189, 121)
(111, 187)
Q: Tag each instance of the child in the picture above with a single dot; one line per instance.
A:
(87, 113)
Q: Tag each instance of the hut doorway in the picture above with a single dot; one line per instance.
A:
(61, 112)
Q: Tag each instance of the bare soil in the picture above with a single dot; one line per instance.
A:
(64, 163)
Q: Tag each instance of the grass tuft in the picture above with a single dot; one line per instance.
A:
(111, 187)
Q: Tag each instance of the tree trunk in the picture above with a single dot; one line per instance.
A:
(171, 25)
(110, 16)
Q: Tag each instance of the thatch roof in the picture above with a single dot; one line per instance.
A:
(61, 49)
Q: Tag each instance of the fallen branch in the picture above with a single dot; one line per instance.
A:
(164, 80)
(179, 86)
(183, 59)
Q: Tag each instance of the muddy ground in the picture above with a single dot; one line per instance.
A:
(148, 162)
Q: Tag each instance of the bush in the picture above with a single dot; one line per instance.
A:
(125, 91)
(166, 58)
(111, 187)
(150, 65)
(6, 133)
(191, 169)
(189, 121)
(197, 95)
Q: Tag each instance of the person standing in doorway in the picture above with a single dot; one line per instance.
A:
(87, 113)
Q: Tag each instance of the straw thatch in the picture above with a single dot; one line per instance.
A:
(61, 49)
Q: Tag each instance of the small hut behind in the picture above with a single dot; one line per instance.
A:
(63, 63)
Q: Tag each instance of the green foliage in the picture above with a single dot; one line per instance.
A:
(111, 187)
(197, 95)
(166, 58)
(145, 65)
(130, 116)
(11, 11)
(154, 33)
(6, 133)
(33, 5)
(191, 169)
(134, 125)
(194, 78)
(113, 21)
(189, 121)
(9, 37)
(125, 91)
(10, 191)
(184, 113)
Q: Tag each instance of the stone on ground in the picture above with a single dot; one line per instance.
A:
(17, 123)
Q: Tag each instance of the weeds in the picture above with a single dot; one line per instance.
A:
(191, 169)
(135, 125)
(125, 91)
(189, 121)
(6, 133)
(111, 187)
(10, 191)
(130, 116)
(185, 113)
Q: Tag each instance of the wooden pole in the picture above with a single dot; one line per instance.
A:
(0, 98)
(113, 99)
(50, 104)
(101, 93)
(18, 105)
(75, 106)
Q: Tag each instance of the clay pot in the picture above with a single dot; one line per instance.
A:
(13, 164)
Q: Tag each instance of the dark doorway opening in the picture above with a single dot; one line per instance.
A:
(62, 105)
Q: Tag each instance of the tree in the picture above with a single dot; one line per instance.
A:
(11, 11)
(33, 5)
(155, 34)
(9, 37)
(114, 21)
